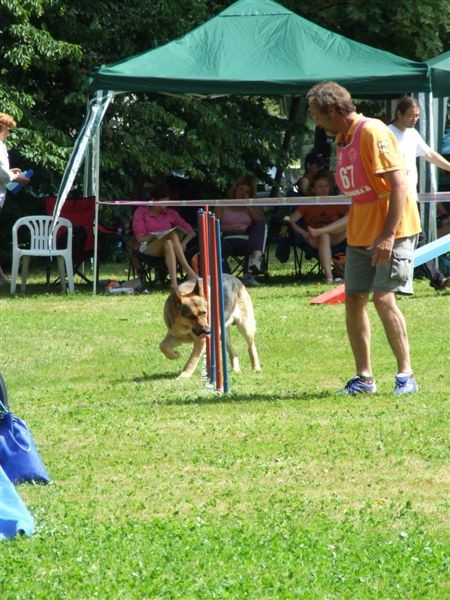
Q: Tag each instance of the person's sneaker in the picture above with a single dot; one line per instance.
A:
(250, 281)
(254, 264)
(439, 282)
(405, 384)
(357, 385)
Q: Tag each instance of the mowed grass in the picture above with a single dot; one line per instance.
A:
(280, 489)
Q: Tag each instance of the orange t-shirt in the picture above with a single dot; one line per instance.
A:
(379, 154)
(319, 216)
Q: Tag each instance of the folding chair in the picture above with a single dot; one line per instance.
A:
(234, 251)
(303, 251)
(81, 213)
(300, 255)
(152, 269)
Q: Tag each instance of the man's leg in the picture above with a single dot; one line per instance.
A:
(358, 283)
(358, 331)
(395, 327)
(396, 276)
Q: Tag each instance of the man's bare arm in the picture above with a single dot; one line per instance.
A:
(382, 246)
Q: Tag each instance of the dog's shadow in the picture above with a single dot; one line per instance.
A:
(232, 397)
(154, 377)
(237, 398)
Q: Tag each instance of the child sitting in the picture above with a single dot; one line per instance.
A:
(306, 220)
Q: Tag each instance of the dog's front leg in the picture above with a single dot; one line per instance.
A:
(167, 347)
(197, 351)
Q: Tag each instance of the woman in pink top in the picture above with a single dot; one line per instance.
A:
(245, 220)
(149, 222)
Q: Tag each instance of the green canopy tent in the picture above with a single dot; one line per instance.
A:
(254, 47)
(432, 126)
(260, 47)
(440, 79)
(440, 74)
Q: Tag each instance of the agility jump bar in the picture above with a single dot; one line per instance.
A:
(432, 250)
(421, 256)
(288, 201)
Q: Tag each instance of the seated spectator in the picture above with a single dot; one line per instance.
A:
(245, 220)
(443, 220)
(143, 191)
(150, 222)
(313, 164)
(306, 223)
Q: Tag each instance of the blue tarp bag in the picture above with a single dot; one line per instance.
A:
(14, 515)
(19, 457)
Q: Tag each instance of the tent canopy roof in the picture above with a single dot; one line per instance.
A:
(440, 74)
(260, 47)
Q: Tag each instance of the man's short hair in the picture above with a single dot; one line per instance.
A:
(329, 94)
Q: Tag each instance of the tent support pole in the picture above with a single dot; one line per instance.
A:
(288, 134)
(432, 226)
(95, 154)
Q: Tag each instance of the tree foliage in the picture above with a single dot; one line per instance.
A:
(414, 29)
(50, 47)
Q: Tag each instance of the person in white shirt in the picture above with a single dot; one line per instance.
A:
(7, 124)
(412, 146)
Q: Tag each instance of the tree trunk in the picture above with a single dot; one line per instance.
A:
(298, 104)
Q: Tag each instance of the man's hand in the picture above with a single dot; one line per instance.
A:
(381, 249)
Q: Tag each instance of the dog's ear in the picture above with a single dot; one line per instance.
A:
(178, 296)
(198, 288)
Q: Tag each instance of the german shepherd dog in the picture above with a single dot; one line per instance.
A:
(186, 317)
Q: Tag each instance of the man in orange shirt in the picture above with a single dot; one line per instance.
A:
(382, 230)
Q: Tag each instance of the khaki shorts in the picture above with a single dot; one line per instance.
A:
(396, 275)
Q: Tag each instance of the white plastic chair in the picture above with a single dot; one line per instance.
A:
(37, 244)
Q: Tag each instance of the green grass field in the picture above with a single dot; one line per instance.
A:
(279, 489)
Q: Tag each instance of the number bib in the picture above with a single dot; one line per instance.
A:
(350, 175)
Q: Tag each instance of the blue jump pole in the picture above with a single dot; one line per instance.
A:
(212, 300)
(432, 250)
(226, 384)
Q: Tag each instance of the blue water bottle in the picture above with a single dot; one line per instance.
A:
(14, 187)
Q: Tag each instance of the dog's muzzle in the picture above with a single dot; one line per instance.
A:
(201, 331)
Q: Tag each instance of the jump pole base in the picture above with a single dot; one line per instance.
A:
(334, 296)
